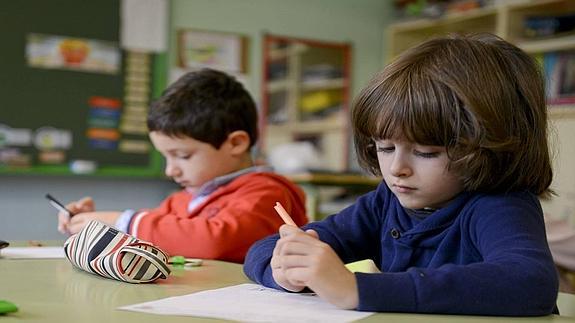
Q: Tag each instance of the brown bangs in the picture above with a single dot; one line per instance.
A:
(479, 96)
(414, 106)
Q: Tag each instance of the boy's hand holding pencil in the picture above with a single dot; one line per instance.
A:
(74, 216)
(71, 209)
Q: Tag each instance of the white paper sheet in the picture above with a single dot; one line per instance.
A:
(144, 25)
(250, 302)
(32, 252)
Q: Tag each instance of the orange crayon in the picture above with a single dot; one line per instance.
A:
(283, 214)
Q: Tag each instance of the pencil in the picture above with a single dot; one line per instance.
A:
(284, 215)
(59, 206)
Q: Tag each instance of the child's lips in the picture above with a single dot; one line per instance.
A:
(403, 189)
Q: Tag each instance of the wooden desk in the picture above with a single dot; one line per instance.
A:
(51, 290)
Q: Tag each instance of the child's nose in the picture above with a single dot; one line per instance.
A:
(171, 170)
(400, 166)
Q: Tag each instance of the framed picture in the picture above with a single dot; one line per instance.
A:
(217, 50)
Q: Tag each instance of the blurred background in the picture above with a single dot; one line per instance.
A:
(77, 79)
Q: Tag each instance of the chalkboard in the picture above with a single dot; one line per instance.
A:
(35, 99)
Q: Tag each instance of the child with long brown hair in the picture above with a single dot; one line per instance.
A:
(457, 128)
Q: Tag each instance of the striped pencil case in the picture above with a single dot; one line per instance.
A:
(105, 251)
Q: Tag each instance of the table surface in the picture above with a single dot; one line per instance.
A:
(52, 290)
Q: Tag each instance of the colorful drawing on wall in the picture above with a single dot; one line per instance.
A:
(61, 52)
(217, 50)
(103, 120)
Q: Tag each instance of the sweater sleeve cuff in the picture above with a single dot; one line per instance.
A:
(123, 221)
(269, 281)
(385, 292)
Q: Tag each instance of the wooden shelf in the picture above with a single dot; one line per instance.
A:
(452, 18)
(315, 85)
(405, 34)
(287, 52)
(547, 45)
(336, 123)
(535, 5)
(327, 84)
(504, 20)
(295, 108)
(279, 85)
(562, 111)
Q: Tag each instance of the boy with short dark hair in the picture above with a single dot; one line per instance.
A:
(205, 125)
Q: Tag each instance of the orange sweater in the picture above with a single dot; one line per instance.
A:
(227, 223)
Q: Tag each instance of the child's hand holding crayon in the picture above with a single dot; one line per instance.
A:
(301, 260)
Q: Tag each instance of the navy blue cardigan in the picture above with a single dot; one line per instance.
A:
(481, 254)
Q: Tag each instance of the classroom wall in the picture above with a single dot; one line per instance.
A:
(25, 214)
(360, 22)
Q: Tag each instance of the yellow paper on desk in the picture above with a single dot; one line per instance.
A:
(363, 266)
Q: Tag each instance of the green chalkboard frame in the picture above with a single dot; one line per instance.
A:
(99, 20)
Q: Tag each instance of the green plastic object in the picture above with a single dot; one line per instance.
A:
(7, 307)
(183, 261)
(177, 260)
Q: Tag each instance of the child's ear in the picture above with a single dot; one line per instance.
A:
(239, 142)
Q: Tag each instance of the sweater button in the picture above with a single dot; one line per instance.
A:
(395, 233)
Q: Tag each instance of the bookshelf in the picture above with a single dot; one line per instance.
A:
(506, 18)
(306, 95)
(503, 18)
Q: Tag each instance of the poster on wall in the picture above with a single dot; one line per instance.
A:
(217, 50)
(80, 54)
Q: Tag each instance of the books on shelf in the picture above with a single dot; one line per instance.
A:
(543, 26)
(559, 70)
